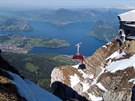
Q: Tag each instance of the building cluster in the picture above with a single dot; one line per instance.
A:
(8, 47)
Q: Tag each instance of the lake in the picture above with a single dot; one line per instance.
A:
(73, 33)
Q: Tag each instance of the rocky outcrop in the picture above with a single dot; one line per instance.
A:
(109, 74)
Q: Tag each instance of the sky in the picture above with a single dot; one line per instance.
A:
(66, 3)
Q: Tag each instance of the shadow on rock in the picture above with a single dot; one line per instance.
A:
(133, 94)
(65, 92)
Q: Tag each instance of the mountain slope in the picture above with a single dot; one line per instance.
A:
(13, 87)
(109, 74)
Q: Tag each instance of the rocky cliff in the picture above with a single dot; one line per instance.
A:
(109, 75)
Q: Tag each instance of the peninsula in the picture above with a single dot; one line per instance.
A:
(16, 43)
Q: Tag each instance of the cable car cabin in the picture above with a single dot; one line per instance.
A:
(127, 24)
(78, 57)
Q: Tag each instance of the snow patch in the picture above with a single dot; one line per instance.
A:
(116, 55)
(31, 91)
(74, 80)
(86, 86)
(121, 64)
(86, 75)
(95, 80)
(101, 86)
(104, 46)
(109, 43)
(95, 98)
(75, 66)
(132, 80)
(109, 62)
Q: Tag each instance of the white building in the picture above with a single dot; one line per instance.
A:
(127, 24)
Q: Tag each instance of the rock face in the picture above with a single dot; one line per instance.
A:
(109, 75)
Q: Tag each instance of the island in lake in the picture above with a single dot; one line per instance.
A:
(23, 44)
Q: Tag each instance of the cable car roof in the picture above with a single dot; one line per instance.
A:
(128, 16)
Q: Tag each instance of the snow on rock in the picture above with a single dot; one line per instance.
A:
(86, 75)
(31, 91)
(109, 43)
(116, 55)
(86, 86)
(121, 64)
(101, 86)
(95, 80)
(132, 80)
(104, 46)
(74, 80)
(95, 98)
(75, 66)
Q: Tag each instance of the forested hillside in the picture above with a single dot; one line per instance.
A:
(37, 67)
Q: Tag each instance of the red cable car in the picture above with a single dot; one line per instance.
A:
(78, 56)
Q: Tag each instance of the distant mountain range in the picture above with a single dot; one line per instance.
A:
(63, 16)
(105, 20)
